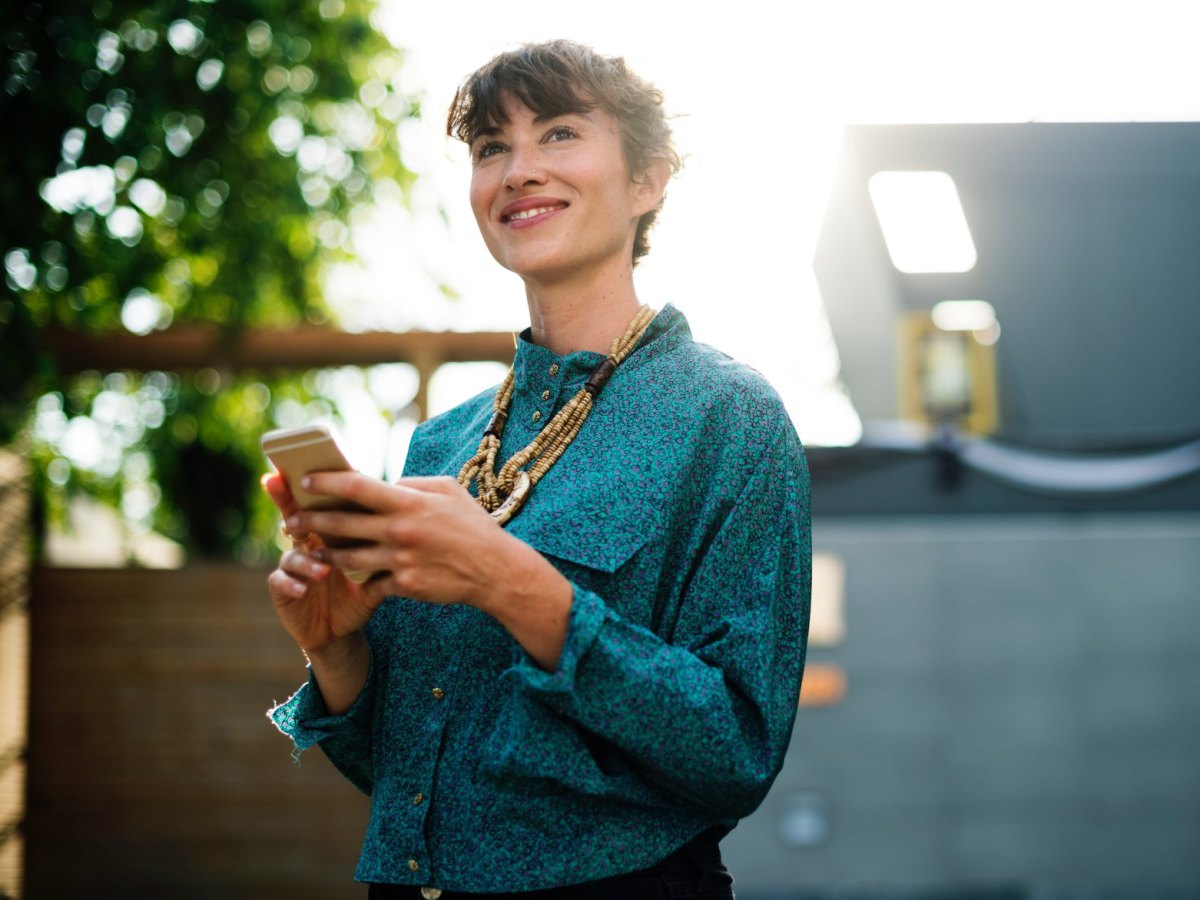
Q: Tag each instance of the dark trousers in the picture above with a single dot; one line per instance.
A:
(693, 871)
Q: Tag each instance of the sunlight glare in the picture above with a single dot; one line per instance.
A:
(964, 315)
(760, 104)
(923, 222)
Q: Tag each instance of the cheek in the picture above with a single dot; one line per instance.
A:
(612, 183)
(481, 195)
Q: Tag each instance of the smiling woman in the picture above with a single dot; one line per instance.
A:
(579, 84)
(545, 198)
(578, 663)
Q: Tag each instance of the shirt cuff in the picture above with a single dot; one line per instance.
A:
(306, 720)
(584, 622)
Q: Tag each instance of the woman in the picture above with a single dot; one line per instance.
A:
(577, 665)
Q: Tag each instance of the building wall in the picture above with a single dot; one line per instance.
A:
(1022, 709)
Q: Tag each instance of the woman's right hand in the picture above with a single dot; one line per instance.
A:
(316, 603)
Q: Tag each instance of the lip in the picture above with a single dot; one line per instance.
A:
(549, 205)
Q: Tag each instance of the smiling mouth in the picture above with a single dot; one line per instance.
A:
(531, 213)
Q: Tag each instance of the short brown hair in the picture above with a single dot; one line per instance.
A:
(558, 77)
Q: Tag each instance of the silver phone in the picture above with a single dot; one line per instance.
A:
(297, 452)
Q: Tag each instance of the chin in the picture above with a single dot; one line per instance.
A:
(540, 267)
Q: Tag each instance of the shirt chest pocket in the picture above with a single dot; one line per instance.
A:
(596, 548)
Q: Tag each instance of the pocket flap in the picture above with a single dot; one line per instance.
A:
(602, 537)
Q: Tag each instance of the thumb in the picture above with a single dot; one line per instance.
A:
(277, 489)
(438, 484)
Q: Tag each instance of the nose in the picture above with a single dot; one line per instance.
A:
(523, 169)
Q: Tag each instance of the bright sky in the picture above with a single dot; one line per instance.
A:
(763, 90)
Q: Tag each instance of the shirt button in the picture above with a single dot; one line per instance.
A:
(431, 893)
(554, 369)
(545, 395)
(413, 865)
(438, 693)
(536, 415)
(418, 799)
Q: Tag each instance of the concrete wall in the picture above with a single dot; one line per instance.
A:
(1023, 710)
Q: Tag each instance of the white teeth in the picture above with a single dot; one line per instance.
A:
(530, 213)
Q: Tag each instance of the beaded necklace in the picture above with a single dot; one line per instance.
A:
(502, 493)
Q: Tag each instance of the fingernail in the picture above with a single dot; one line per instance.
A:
(318, 553)
(306, 482)
(298, 588)
(319, 568)
(293, 521)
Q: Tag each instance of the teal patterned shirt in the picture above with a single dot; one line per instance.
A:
(680, 514)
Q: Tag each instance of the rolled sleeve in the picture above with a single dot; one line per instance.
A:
(584, 622)
(706, 715)
(344, 738)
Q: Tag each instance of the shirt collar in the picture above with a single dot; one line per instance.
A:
(532, 362)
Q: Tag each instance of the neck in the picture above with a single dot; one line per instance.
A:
(573, 315)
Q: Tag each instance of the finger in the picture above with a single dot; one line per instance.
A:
(337, 523)
(355, 487)
(434, 484)
(297, 539)
(372, 558)
(303, 565)
(284, 586)
(277, 489)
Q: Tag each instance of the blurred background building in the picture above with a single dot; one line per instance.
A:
(219, 220)
(1016, 533)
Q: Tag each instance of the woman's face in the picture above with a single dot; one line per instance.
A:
(553, 197)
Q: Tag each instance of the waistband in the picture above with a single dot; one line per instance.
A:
(702, 853)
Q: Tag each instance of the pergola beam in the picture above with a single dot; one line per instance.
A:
(198, 347)
(305, 347)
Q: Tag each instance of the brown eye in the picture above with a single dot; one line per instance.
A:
(489, 148)
(561, 133)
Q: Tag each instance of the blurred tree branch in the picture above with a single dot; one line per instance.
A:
(179, 162)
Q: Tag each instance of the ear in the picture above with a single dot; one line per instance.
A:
(648, 188)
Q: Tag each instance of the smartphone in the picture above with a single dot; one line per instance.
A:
(296, 452)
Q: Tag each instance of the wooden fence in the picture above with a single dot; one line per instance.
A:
(14, 656)
(153, 771)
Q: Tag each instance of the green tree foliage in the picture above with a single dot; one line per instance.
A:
(174, 162)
